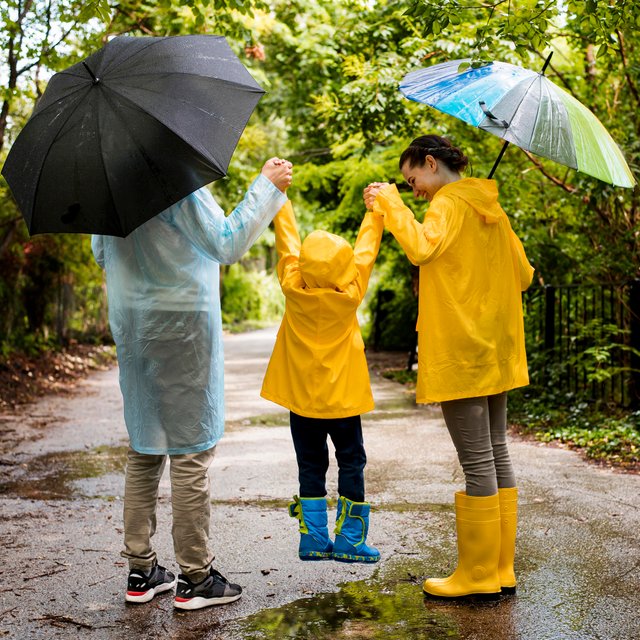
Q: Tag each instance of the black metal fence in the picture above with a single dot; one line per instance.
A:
(585, 339)
(581, 339)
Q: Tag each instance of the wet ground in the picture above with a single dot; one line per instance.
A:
(578, 559)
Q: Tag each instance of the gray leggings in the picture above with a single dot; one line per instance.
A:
(478, 428)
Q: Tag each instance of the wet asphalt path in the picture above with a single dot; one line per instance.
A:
(61, 482)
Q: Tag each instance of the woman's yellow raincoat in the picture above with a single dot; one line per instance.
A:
(318, 367)
(473, 269)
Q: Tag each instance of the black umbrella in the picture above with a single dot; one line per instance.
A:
(123, 135)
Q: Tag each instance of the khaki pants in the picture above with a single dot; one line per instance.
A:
(190, 502)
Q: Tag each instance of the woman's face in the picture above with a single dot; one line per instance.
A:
(425, 180)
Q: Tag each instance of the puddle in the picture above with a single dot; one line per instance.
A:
(358, 610)
(267, 504)
(561, 596)
(391, 608)
(53, 476)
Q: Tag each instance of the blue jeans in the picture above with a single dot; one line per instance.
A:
(310, 442)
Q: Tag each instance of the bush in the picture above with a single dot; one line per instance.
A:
(249, 298)
(609, 434)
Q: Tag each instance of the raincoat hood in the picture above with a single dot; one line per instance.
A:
(480, 194)
(318, 367)
(326, 261)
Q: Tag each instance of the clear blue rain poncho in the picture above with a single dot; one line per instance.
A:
(164, 312)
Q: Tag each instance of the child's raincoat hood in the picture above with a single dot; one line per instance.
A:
(326, 261)
(318, 367)
(481, 195)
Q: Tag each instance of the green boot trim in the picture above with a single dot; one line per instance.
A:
(295, 511)
(352, 511)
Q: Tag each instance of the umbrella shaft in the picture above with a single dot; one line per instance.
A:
(93, 75)
(497, 162)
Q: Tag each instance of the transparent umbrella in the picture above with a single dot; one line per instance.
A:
(525, 108)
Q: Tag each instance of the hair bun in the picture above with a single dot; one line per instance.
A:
(436, 146)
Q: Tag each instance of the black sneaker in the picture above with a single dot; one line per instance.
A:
(144, 585)
(214, 589)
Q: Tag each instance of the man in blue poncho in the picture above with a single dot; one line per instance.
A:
(164, 313)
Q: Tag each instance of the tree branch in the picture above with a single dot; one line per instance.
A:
(560, 183)
(623, 56)
(47, 50)
(8, 236)
(137, 21)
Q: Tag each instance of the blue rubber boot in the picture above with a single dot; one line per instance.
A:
(352, 526)
(314, 533)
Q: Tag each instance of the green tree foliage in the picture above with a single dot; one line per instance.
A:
(331, 70)
(45, 284)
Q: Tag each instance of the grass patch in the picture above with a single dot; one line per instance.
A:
(403, 376)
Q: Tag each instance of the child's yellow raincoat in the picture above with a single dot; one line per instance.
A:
(472, 271)
(318, 367)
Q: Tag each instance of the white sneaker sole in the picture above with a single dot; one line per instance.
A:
(149, 595)
(200, 603)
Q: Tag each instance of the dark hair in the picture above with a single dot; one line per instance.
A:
(438, 147)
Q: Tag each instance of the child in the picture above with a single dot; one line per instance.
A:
(318, 371)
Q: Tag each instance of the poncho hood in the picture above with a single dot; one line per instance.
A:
(478, 193)
(326, 261)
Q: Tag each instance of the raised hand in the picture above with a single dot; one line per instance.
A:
(370, 192)
(279, 171)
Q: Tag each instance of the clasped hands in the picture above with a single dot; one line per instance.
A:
(370, 192)
(279, 171)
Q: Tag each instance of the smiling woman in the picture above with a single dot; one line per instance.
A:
(470, 345)
(423, 173)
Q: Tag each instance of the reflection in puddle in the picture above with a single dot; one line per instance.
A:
(358, 610)
(52, 476)
(389, 611)
(560, 597)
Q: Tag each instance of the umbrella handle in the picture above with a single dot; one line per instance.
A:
(502, 123)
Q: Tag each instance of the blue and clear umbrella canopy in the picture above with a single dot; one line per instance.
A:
(525, 108)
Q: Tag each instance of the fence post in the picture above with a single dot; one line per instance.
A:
(549, 317)
(549, 327)
(634, 307)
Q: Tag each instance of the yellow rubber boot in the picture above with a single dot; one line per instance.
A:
(508, 523)
(478, 529)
